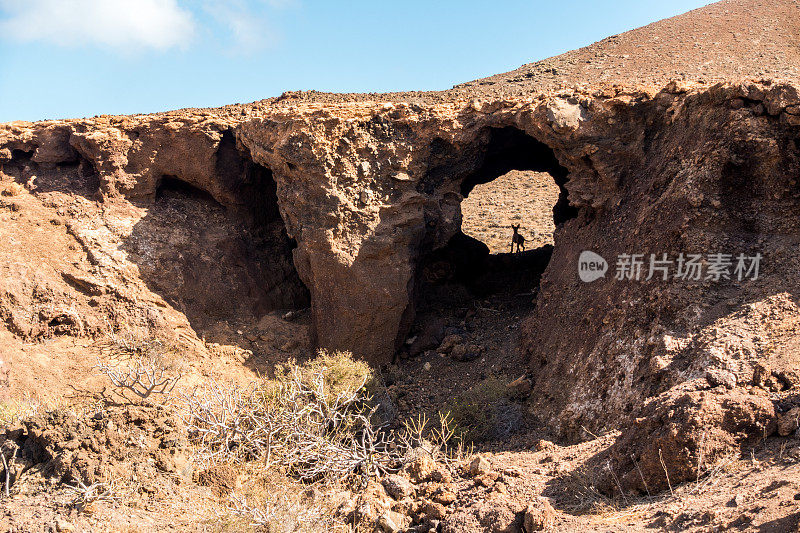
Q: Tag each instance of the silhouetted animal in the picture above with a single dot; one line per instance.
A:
(517, 239)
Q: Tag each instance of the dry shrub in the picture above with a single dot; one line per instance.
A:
(141, 367)
(484, 412)
(340, 372)
(442, 439)
(14, 411)
(276, 504)
(313, 421)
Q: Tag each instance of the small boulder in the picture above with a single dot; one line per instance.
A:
(736, 501)
(520, 388)
(445, 497)
(539, 515)
(421, 468)
(788, 422)
(479, 466)
(466, 352)
(64, 526)
(393, 522)
(398, 487)
(441, 474)
(487, 479)
(717, 377)
(371, 504)
(449, 343)
(435, 511)
(500, 514)
(544, 445)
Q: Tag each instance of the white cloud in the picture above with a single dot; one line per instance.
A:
(245, 24)
(156, 24)
(281, 4)
(247, 29)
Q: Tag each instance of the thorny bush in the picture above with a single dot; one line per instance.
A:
(313, 422)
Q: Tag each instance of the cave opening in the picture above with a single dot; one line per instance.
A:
(219, 251)
(173, 187)
(504, 178)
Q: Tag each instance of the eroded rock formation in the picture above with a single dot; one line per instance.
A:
(188, 218)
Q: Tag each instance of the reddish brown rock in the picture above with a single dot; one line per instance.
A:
(539, 516)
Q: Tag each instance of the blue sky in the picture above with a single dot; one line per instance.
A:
(73, 58)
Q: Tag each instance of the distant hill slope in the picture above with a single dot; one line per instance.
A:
(723, 41)
(728, 40)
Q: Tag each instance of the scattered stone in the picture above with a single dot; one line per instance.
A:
(721, 378)
(500, 488)
(539, 515)
(445, 497)
(479, 466)
(466, 352)
(448, 343)
(441, 475)
(397, 486)
(736, 501)
(737, 103)
(499, 514)
(788, 422)
(486, 480)
(393, 522)
(63, 526)
(543, 445)
(520, 388)
(421, 468)
(436, 511)
(372, 503)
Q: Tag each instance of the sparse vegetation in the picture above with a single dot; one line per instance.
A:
(314, 421)
(139, 367)
(479, 410)
(87, 494)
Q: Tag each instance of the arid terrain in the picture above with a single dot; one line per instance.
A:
(167, 280)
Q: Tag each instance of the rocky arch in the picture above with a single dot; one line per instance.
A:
(452, 268)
